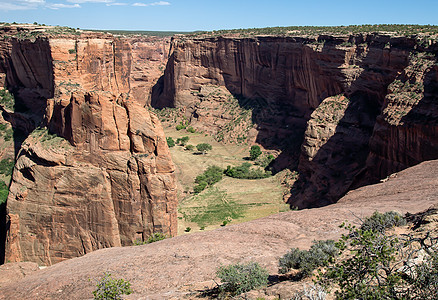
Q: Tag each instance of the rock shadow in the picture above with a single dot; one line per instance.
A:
(333, 169)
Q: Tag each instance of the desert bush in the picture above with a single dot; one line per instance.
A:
(380, 222)
(109, 288)
(240, 278)
(155, 237)
(311, 292)
(170, 142)
(191, 129)
(189, 147)
(203, 147)
(319, 255)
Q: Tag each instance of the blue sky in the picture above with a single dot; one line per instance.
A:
(189, 15)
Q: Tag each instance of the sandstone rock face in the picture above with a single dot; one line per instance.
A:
(289, 84)
(96, 172)
(185, 266)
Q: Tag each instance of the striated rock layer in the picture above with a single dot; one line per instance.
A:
(94, 170)
(322, 103)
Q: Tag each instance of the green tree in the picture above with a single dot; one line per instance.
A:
(254, 152)
(210, 176)
(182, 141)
(203, 147)
(170, 142)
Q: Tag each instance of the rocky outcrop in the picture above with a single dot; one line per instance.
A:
(94, 170)
(289, 83)
(185, 266)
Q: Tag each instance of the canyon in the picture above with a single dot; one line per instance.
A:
(92, 168)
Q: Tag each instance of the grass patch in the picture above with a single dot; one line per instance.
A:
(212, 207)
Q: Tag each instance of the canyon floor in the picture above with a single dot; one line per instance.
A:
(184, 266)
(243, 198)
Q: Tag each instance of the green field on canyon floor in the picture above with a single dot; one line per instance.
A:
(231, 200)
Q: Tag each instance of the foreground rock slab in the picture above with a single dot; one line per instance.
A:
(174, 268)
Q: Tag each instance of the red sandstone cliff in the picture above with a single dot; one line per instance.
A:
(289, 83)
(94, 170)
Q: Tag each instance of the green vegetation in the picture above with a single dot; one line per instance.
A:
(254, 152)
(140, 32)
(109, 288)
(170, 142)
(191, 129)
(380, 222)
(240, 278)
(7, 99)
(189, 147)
(210, 176)
(6, 166)
(4, 192)
(203, 147)
(403, 30)
(182, 141)
(244, 171)
(319, 255)
(188, 229)
(49, 140)
(213, 206)
(155, 237)
(376, 265)
(264, 160)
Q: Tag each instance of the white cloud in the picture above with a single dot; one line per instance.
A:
(11, 6)
(32, 1)
(61, 5)
(116, 4)
(90, 1)
(162, 3)
(20, 4)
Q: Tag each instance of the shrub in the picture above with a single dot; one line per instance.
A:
(4, 192)
(170, 142)
(311, 292)
(244, 171)
(254, 152)
(380, 266)
(203, 147)
(7, 99)
(240, 278)
(155, 237)
(190, 147)
(109, 288)
(319, 255)
(6, 166)
(182, 141)
(188, 229)
(210, 176)
(179, 127)
(200, 187)
(265, 160)
(191, 129)
(380, 222)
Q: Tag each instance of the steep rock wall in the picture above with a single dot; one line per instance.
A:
(94, 170)
(284, 79)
